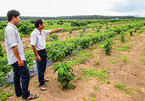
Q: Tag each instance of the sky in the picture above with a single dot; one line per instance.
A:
(53, 8)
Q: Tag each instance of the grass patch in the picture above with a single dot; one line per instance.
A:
(128, 90)
(91, 99)
(101, 46)
(95, 87)
(125, 47)
(81, 57)
(4, 94)
(79, 78)
(143, 61)
(124, 59)
(112, 60)
(101, 74)
(118, 56)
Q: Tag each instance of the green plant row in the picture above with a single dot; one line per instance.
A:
(26, 27)
(57, 50)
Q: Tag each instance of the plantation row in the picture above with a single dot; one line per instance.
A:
(26, 27)
(57, 50)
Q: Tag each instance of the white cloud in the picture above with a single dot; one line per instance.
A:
(73, 7)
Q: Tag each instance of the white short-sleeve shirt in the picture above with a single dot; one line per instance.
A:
(12, 38)
(39, 39)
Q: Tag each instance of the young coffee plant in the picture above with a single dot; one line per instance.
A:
(98, 27)
(70, 31)
(131, 32)
(122, 38)
(107, 46)
(65, 74)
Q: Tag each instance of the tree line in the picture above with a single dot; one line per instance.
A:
(80, 17)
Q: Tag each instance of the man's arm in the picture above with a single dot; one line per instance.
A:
(36, 54)
(54, 30)
(16, 53)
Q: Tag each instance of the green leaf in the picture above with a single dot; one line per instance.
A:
(61, 70)
(60, 78)
(72, 74)
(69, 85)
(56, 68)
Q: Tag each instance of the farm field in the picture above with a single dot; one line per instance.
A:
(98, 77)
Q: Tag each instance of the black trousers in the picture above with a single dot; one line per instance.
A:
(41, 66)
(21, 73)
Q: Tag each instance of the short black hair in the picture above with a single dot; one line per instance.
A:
(12, 13)
(37, 22)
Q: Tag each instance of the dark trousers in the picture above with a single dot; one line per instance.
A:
(41, 66)
(23, 74)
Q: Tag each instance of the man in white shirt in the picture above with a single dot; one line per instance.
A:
(16, 56)
(38, 42)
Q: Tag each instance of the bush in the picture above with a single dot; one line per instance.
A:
(60, 22)
(131, 32)
(122, 37)
(3, 25)
(107, 46)
(26, 29)
(78, 23)
(65, 74)
(58, 50)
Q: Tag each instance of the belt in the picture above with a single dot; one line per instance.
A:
(41, 50)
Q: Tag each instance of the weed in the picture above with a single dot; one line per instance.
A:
(112, 61)
(143, 61)
(97, 61)
(101, 46)
(124, 59)
(101, 74)
(120, 86)
(125, 47)
(95, 88)
(128, 90)
(5, 94)
(35, 81)
(92, 99)
(118, 56)
(79, 78)
(81, 57)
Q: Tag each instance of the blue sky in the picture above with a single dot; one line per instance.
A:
(74, 7)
